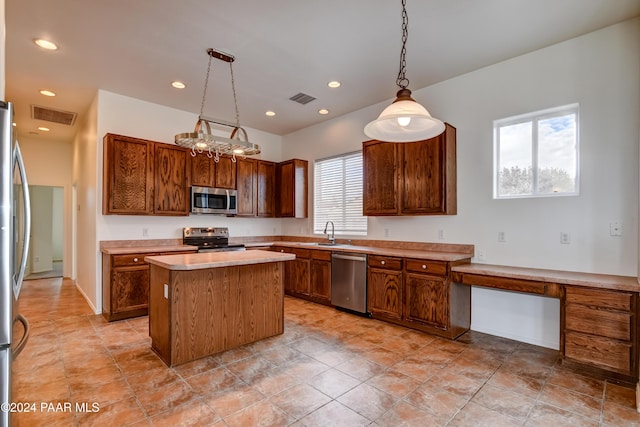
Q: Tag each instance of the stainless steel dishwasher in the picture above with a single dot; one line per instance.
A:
(349, 281)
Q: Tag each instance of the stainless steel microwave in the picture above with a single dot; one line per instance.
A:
(208, 200)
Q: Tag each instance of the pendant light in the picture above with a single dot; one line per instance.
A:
(404, 120)
(201, 140)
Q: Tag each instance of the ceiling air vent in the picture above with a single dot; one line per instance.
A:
(50, 115)
(302, 98)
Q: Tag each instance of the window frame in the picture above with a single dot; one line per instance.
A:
(534, 118)
(338, 230)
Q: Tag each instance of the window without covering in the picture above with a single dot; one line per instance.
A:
(338, 194)
(536, 155)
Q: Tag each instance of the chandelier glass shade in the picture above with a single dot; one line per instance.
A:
(404, 120)
(203, 140)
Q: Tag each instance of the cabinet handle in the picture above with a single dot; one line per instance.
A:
(281, 250)
(383, 262)
(424, 266)
(135, 260)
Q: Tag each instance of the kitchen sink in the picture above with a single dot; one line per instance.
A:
(322, 244)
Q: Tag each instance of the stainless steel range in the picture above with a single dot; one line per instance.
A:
(209, 239)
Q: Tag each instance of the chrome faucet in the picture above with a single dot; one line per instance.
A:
(332, 236)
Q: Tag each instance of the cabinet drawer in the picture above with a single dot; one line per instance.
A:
(129, 259)
(301, 253)
(599, 298)
(605, 323)
(602, 352)
(424, 266)
(389, 263)
(321, 255)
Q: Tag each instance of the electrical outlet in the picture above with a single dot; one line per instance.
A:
(565, 238)
(386, 232)
(480, 255)
(145, 232)
(502, 237)
(615, 229)
(441, 234)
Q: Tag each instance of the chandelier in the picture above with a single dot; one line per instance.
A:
(404, 120)
(202, 140)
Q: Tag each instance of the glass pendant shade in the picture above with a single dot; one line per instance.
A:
(404, 121)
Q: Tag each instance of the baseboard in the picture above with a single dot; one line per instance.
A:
(86, 298)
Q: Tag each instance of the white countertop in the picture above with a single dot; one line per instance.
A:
(204, 260)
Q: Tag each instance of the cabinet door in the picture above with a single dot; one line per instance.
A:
(225, 173)
(427, 300)
(202, 170)
(247, 182)
(266, 188)
(428, 175)
(291, 189)
(320, 286)
(129, 288)
(384, 289)
(380, 178)
(171, 178)
(127, 176)
(300, 276)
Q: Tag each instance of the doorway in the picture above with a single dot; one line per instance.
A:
(46, 248)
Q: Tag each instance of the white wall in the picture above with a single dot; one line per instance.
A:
(600, 71)
(49, 163)
(40, 248)
(57, 218)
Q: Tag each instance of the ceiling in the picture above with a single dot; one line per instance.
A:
(282, 47)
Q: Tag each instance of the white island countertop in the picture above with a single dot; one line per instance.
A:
(204, 260)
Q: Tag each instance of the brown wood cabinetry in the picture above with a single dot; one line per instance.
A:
(247, 183)
(266, 189)
(127, 175)
(599, 330)
(143, 177)
(419, 294)
(171, 196)
(385, 287)
(206, 172)
(414, 178)
(320, 272)
(125, 285)
(291, 188)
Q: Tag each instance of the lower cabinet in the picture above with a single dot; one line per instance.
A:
(599, 330)
(418, 294)
(309, 275)
(125, 285)
(384, 287)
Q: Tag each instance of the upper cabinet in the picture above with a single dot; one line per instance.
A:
(291, 183)
(413, 178)
(206, 172)
(247, 182)
(266, 189)
(143, 177)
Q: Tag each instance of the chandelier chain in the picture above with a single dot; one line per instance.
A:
(235, 99)
(402, 81)
(206, 84)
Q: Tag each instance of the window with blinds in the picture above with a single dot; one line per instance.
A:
(338, 194)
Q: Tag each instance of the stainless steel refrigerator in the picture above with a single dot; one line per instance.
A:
(14, 233)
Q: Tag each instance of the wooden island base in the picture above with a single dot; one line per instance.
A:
(196, 313)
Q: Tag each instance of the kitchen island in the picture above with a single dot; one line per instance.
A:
(205, 303)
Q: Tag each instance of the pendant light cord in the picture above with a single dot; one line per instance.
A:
(206, 83)
(402, 80)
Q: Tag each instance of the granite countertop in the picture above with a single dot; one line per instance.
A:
(204, 260)
(370, 250)
(592, 280)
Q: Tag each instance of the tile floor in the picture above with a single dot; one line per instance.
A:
(329, 368)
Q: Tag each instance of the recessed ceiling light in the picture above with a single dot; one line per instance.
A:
(333, 84)
(44, 129)
(178, 84)
(270, 113)
(46, 44)
(47, 93)
(323, 111)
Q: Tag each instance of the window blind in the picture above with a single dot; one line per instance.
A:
(338, 194)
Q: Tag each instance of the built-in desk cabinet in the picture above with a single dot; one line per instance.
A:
(599, 330)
